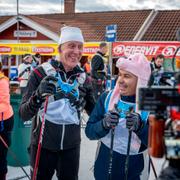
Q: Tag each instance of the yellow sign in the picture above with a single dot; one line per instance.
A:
(43, 49)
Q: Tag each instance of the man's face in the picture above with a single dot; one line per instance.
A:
(29, 59)
(127, 83)
(104, 49)
(70, 53)
(159, 62)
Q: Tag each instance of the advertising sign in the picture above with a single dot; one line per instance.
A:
(149, 49)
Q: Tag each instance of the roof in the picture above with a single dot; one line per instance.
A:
(93, 24)
(163, 27)
(4, 18)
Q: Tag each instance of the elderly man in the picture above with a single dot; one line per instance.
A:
(65, 85)
(118, 110)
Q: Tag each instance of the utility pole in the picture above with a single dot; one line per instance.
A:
(17, 18)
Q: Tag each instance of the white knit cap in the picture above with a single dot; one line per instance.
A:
(70, 34)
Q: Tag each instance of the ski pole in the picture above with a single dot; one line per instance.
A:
(40, 141)
(111, 147)
(128, 149)
(127, 155)
(111, 154)
(14, 156)
(153, 168)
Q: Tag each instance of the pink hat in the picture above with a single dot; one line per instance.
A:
(136, 64)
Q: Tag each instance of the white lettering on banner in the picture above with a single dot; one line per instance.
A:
(178, 53)
(4, 49)
(43, 50)
(90, 50)
(128, 50)
(119, 49)
(169, 50)
(25, 33)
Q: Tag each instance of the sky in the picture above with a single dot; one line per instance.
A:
(9, 7)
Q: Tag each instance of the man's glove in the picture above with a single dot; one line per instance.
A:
(47, 87)
(111, 119)
(133, 121)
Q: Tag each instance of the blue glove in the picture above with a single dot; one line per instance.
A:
(111, 119)
(133, 121)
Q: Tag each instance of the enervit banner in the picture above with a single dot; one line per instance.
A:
(43, 49)
(149, 49)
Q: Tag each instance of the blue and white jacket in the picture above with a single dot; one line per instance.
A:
(96, 131)
(138, 165)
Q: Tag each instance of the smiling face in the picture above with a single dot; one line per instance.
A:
(127, 83)
(70, 54)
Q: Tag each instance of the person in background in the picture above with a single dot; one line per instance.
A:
(24, 71)
(157, 63)
(66, 86)
(6, 122)
(98, 70)
(36, 60)
(156, 69)
(117, 109)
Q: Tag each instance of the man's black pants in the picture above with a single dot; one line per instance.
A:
(65, 162)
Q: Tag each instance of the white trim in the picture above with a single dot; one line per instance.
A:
(39, 28)
(145, 25)
(31, 24)
(8, 23)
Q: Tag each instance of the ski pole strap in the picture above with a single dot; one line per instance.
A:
(2, 122)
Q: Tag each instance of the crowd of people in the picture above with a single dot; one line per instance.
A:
(54, 94)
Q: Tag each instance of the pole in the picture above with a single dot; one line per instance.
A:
(127, 155)
(110, 57)
(111, 154)
(35, 170)
(17, 18)
(111, 146)
(14, 156)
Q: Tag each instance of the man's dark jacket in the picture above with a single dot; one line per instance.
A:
(56, 137)
(97, 66)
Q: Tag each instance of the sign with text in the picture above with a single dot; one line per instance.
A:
(111, 31)
(149, 49)
(25, 33)
(44, 49)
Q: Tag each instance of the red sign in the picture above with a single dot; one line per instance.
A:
(147, 48)
(5, 49)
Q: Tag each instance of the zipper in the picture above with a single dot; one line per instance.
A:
(62, 138)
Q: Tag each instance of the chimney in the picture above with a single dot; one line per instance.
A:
(69, 6)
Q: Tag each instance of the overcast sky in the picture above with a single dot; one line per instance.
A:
(9, 7)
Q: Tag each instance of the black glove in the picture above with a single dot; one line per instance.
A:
(111, 119)
(133, 121)
(47, 87)
(28, 69)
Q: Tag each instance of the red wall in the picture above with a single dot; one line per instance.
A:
(8, 34)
